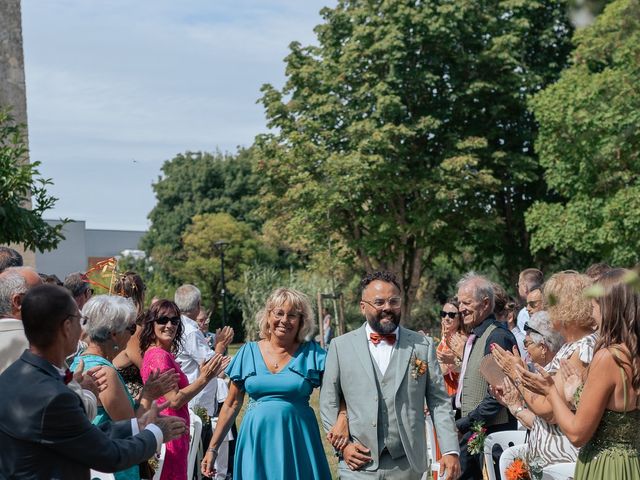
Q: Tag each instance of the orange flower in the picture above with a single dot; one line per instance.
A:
(517, 470)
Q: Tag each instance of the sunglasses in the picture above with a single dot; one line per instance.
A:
(451, 315)
(165, 320)
(533, 303)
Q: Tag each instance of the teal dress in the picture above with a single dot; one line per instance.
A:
(90, 361)
(279, 438)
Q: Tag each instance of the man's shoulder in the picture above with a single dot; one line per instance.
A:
(416, 338)
(347, 337)
(188, 325)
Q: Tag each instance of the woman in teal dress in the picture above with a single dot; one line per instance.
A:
(108, 322)
(279, 438)
(605, 424)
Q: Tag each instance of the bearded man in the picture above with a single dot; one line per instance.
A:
(384, 372)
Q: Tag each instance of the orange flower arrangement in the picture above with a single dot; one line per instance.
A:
(517, 470)
(418, 367)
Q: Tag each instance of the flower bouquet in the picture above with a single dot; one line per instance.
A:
(518, 470)
(475, 444)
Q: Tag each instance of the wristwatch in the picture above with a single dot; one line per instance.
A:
(519, 409)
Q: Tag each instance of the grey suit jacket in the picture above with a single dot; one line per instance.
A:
(349, 373)
(45, 433)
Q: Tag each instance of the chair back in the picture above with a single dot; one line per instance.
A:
(506, 439)
(96, 475)
(559, 471)
(195, 432)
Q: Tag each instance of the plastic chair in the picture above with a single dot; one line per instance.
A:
(559, 471)
(431, 448)
(506, 439)
(96, 475)
(195, 432)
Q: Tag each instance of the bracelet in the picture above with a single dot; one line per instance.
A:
(213, 450)
(519, 409)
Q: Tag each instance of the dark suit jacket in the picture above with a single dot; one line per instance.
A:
(45, 433)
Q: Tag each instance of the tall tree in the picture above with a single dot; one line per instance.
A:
(20, 182)
(405, 133)
(589, 145)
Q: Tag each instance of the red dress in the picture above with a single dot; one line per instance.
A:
(175, 460)
(451, 377)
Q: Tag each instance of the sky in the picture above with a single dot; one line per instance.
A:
(117, 87)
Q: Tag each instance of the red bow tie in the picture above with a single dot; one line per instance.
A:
(376, 337)
(68, 376)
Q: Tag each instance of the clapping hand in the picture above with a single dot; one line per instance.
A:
(160, 383)
(507, 361)
(214, 366)
(540, 383)
(456, 342)
(447, 357)
(94, 380)
(224, 336)
(571, 379)
(171, 427)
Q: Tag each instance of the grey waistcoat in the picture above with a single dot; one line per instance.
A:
(387, 425)
(474, 386)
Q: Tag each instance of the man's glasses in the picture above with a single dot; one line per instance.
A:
(379, 303)
(451, 315)
(165, 320)
(131, 328)
(533, 303)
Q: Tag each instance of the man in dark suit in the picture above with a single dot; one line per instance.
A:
(44, 431)
(476, 297)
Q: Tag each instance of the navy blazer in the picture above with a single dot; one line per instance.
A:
(45, 433)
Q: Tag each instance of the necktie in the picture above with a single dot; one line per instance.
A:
(68, 376)
(465, 360)
(377, 337)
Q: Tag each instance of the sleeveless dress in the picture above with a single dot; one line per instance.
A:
(90, 361)
(177, 450)
(614, 450)
(279, 438)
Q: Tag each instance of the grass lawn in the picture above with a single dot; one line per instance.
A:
(333, 461)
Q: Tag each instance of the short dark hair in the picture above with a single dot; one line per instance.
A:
(596, 270)
(532, 276)
(9, 258)
(156, 310)
(77, 283)
(44, 309)
(383, 276)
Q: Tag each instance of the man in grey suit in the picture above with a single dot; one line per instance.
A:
(384, 373)
(44, 431)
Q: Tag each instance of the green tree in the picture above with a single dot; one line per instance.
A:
(20, 183)
(405, 133)
(589, 145)
(199, 183)
(200, 263)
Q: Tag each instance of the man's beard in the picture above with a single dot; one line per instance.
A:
(375, 321)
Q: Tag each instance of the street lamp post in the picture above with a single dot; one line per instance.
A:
(220, 245)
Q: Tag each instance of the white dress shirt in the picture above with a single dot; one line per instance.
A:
(523, 318)
(381, 353)
(193, 352)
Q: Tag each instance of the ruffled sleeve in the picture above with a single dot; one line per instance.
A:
(309, 363)
(243, 364)
(585, 348)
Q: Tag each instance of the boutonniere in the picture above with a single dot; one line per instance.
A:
(418, 367)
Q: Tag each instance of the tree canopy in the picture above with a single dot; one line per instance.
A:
(589, 146)
(21, 183)
(406, 133)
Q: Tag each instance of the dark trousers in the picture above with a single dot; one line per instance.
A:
(471, 465)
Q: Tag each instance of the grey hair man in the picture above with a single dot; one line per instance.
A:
(78, 284)
(15, 282)
(9, 258)
(476, 297)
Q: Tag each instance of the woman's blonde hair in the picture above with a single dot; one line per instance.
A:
(565, 301)
(299, 302)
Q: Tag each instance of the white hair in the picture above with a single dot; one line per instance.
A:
(106, 314)
(481, 285)
(12, 282)
(188, 297)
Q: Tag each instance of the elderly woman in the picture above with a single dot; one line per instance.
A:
(109, 322)
(279, 436)
(570, 314)
(159, 342)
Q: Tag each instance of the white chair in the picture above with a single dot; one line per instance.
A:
(506, 439)
(96, 475)
(195, 430)
(559, 471)
(160, 458)
(431, 448)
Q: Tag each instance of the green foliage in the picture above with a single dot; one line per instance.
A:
(20, 183)
(589, 145)
(407, 122)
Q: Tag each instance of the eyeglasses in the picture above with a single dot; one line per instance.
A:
(451, 315)
(533, 303)
(131, 328)
(379, 303)
(81, 317)
(280, 314)
(165, 320)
